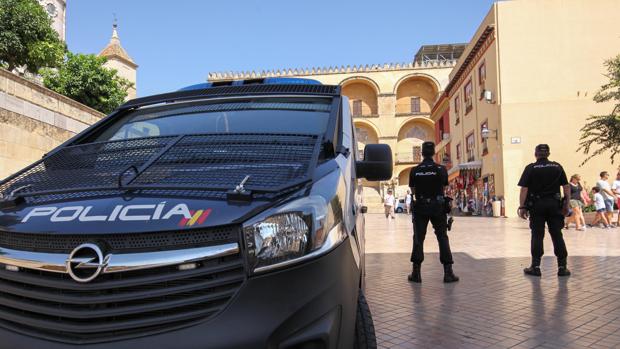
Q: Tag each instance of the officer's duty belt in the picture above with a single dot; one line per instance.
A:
(430, 199)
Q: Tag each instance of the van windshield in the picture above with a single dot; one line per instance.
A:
(258, 115)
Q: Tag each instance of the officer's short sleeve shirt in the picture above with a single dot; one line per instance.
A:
(526, 177)
(444, 175)
(543, 176)
(428, 179)
(563, 179)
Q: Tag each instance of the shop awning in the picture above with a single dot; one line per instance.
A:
(472, 165)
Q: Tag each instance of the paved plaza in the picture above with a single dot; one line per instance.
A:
(494, 305)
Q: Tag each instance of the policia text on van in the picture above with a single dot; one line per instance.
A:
(213, 217)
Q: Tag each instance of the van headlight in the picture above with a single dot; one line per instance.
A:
(295, 232)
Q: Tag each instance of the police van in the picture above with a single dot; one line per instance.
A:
(219, 216)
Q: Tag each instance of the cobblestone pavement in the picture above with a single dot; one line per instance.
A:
(494, 305)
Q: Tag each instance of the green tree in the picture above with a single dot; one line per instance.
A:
(604, 130)
(26, 36)
(85, 79)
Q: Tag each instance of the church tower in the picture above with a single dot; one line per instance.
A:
(119, 59)
(57, 10)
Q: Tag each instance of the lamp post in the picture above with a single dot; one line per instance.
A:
(486, 133)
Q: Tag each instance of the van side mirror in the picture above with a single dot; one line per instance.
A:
(377, 163)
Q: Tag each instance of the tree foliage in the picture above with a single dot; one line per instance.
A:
(603, 131)
(26, 36)
(85, 79)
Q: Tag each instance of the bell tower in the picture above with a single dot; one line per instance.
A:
(120, 60)
(57, 10)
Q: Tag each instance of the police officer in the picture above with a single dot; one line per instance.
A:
(540, 200)
(427, 182)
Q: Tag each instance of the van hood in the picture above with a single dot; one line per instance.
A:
(116, 186)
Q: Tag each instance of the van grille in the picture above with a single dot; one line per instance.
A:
(116, 305)
(120, 243)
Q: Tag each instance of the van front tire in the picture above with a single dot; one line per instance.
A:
(364, 328)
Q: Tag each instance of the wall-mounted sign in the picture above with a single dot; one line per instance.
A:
(515, 140)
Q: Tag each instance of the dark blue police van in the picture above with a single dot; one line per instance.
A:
(219, 216)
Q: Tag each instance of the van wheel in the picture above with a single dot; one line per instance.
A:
(364, 327)
(399, 210)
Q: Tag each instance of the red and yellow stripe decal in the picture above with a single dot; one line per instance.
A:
(197, 217)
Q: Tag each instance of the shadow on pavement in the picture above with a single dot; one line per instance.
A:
(494, 305)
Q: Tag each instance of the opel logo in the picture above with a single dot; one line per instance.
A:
(86, 262)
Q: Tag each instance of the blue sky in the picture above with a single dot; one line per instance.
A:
(177, 43)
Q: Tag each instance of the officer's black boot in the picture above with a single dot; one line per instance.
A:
(563, 271)
(448, 274)
(416, 275)
(534, 270)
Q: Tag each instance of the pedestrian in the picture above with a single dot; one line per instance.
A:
(388, 204)
(615, 187)
(408, 201)
(540, 200)
(428, 181)
(599, 204)
(576, 204)
(607, 194)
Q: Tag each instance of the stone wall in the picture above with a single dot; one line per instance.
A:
(34, 120)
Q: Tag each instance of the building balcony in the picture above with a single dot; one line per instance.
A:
(408, 158)
(410, 113)
(367, 115)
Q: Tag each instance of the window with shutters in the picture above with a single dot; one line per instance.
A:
(417, 153)
(457, 110)
(468, 90)
(485, 141)
(482, 75)
(357, 108)
(415, 104)
(470, 147)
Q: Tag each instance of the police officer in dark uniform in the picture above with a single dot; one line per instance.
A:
(427, 182)
(540, 200)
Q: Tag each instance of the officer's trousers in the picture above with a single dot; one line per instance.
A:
(547, 210)
(422, 214)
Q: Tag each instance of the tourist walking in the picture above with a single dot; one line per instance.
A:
(615, 188)
(408, 202)
(540, 200)
(388, 204)
(607, 194)
(428, 181)
(576, 204)
(599, 204)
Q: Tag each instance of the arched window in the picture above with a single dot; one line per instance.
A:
(416, 132)
(361, 134)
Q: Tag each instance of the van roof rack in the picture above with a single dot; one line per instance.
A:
(208, 90)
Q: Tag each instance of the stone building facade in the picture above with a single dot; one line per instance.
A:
(34, 120)
(390, 103)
